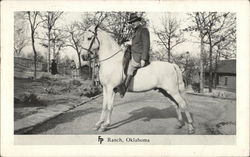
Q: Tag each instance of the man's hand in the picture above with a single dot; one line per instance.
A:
(142, 63)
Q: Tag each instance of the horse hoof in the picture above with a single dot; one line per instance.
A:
(179, 125)
(191, 131)
(96, 128)
(102, 129)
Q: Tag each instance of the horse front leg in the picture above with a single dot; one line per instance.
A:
(110, 101)
(104, 108)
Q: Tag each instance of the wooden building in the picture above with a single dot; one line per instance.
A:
(226, 75)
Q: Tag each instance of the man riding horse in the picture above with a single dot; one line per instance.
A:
(164, 76)
(139, 50)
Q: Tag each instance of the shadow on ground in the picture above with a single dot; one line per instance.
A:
(64, 118)
(147, 114)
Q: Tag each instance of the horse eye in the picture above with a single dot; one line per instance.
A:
(89, 38)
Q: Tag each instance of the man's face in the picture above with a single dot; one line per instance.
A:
(135, 24)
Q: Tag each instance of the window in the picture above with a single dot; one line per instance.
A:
(225, 81)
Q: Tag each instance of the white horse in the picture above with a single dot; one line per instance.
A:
(164, 76)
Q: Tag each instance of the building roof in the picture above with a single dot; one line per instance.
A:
(227, 66)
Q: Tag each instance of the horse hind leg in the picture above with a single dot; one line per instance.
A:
(183, 105)
(180, 122)
(187, 113)
(180, 103)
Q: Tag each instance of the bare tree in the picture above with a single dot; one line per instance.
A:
(214, 29)
(20, 32)
(58, 38)
(50, 19)
(223, 40)
(170, 35)
(34, 22)
(74, 39)
(200, 24)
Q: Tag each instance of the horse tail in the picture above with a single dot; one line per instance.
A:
(179, 76)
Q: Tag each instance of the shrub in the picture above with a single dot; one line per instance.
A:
(76, 82)
(30, 98)
(91, 91)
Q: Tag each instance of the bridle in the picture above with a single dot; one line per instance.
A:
(94, 37)
(93, 40)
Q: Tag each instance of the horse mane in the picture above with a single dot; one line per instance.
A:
(108, 34)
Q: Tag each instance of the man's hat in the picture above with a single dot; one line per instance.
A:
(133, 18)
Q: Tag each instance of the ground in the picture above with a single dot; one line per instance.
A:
(145, 113)
(32, 96)
(136, 113)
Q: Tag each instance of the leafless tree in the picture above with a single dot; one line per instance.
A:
(50, 18)
(200, 24)
(170, 35)
(34, 22)
(20, 32)
(74, 39)
(214, 29)
(58, 38)
(223, 41)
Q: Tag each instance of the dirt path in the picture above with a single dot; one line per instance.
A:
(146, 113)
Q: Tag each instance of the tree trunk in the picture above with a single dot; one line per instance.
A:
(201, 66)
(79, 64)
(169, 50)
(54, 49)
(54, 46)
(48, 67)
(34, 51)
(210, 65)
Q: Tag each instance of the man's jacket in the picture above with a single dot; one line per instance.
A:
(141, 45)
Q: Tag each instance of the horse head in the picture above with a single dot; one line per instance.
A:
(91, 43)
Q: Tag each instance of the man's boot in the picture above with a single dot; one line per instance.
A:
(125, 85)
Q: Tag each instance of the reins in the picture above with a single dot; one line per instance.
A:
(106, 58)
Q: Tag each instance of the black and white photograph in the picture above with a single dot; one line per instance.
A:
(125, 77)
(150, 73)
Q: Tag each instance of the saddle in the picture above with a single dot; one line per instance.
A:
(125, 62)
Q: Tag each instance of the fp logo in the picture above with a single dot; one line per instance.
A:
(100, 139)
